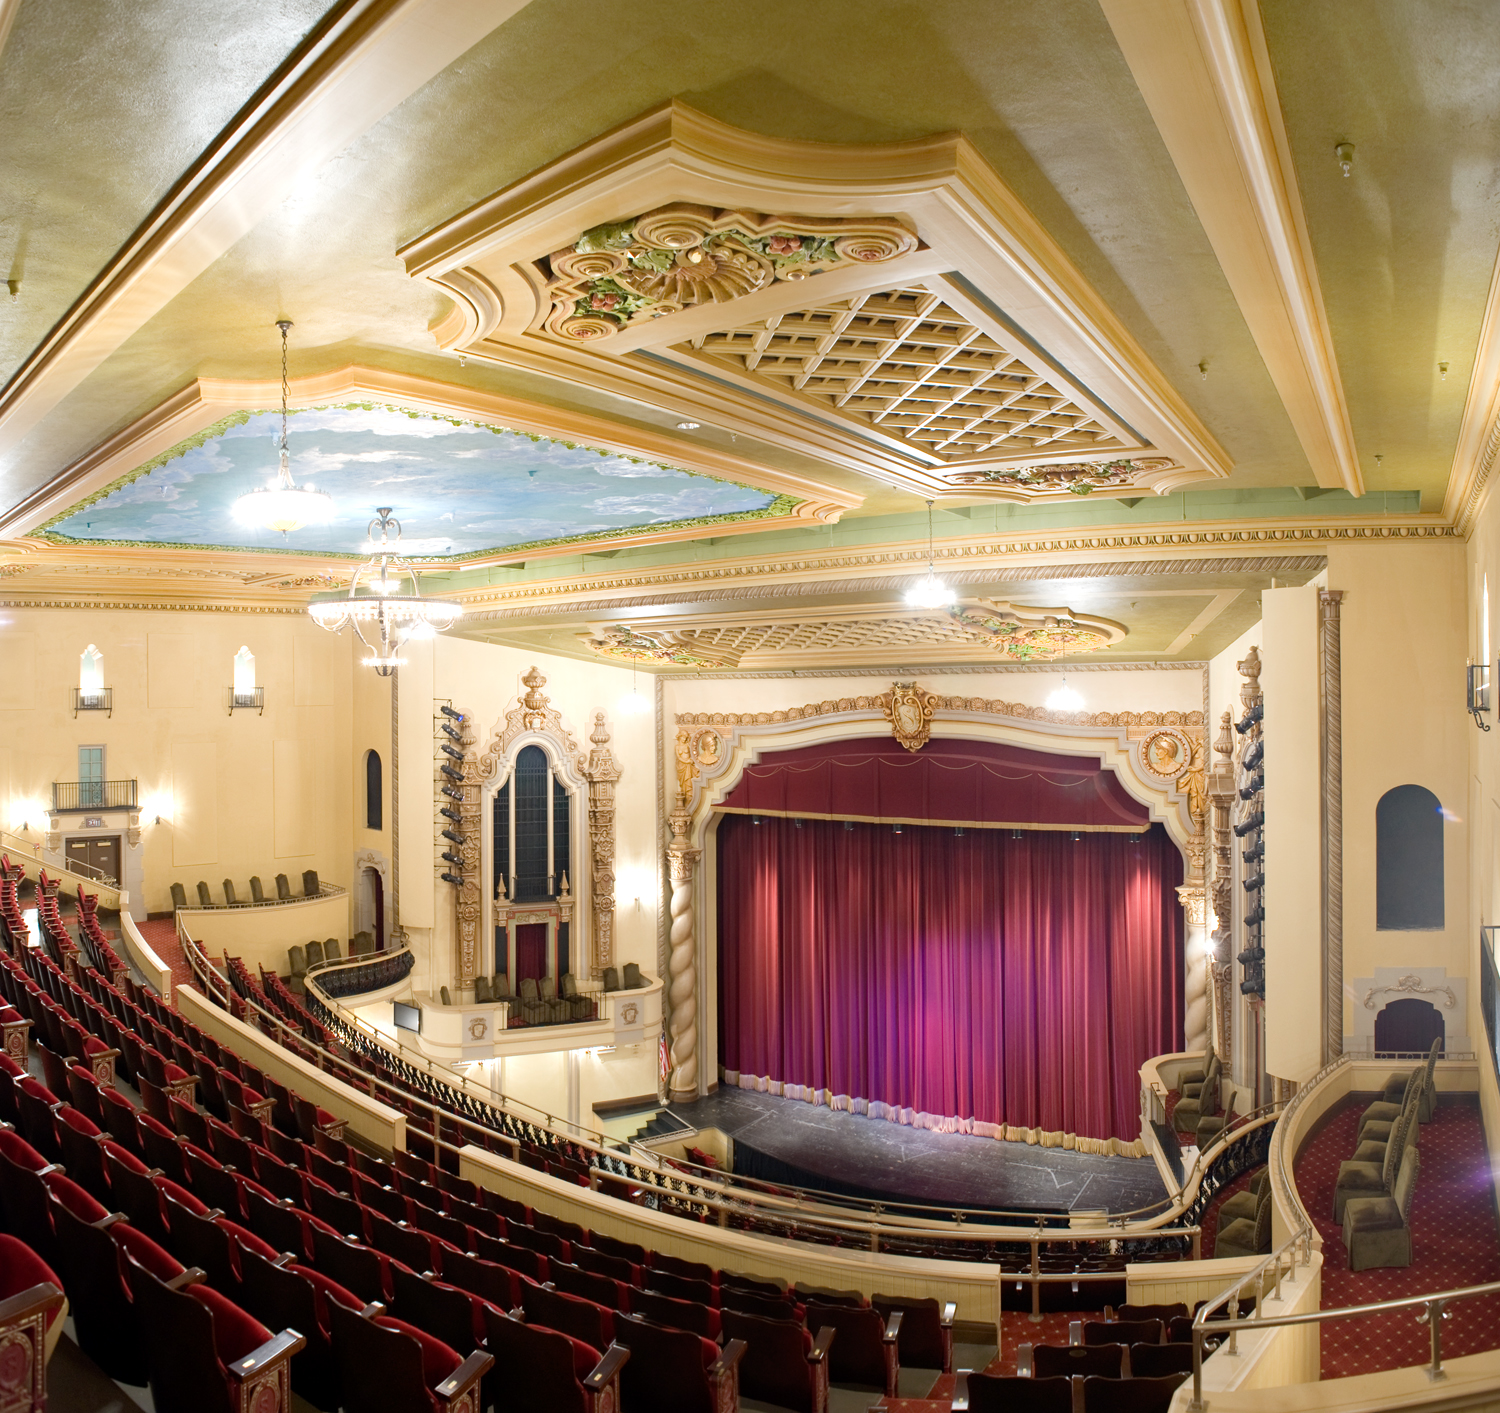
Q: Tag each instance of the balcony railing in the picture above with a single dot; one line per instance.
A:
(79, 795)
(96, 699)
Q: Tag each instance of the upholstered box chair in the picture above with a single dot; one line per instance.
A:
(1378, 1119)
(1247, 1203)
(1395, 1087)
(482, 992)
(1210, 1126)
(1201, 1101)
(205, 898)
(179, 897)
(1376, 1231)
(283, 888)
(1363, 1175)
(1247, 1237)
(257, 893)
(310, 883)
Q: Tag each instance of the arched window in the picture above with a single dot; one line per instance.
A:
(91, 672)
(531, 834)
(374, 792)
(244, 673)
(1409, 860)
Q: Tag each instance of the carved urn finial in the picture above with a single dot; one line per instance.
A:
(600, 734)
(1224, 744)
(1249, 669)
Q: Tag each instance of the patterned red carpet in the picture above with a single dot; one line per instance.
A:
(160, 934)
(1454, 1243)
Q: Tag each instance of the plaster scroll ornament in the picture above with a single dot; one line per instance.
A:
(681, 255)
(1079, 478)
(602, 772)
(909, 709)
(1411, 985)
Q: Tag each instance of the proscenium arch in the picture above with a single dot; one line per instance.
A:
(746, 744)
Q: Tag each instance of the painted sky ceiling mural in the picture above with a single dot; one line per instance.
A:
(458, 488)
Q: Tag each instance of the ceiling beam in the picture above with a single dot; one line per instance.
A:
(1205, 73)
(362, 59)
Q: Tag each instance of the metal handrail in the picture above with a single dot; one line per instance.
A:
(41, 854)
(1434, 1312)
(325, 890)
(712, 1194)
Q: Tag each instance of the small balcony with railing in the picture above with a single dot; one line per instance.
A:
(94, 699)
(80, 796)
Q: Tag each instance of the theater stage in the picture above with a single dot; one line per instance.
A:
(807, 1144)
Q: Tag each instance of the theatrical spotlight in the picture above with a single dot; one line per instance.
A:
(456, 838)
(451, 814)
(448, 750)
(453, 878)
(450, 733)
(451, 793)
(449, 712)
(452, 774)
(449, 856)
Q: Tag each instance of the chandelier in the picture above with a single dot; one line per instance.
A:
(929, 591)
(283, 505)
(393, 619)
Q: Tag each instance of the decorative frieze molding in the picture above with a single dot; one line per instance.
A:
(1448, 993)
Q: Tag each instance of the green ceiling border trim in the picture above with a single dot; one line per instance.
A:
(781, 507)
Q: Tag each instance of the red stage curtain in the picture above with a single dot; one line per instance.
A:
(984, 978)
(531, 951)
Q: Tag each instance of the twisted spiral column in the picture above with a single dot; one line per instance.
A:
(682, 964)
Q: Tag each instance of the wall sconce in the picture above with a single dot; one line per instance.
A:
(1479, 693)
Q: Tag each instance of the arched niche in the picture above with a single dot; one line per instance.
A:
(1409, 1025)
(1409, 861)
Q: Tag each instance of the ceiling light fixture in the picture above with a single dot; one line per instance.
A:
(394, 619)
(929, 592)
(283, 505)
(689, 426)
(1064, 699)
(635, 704)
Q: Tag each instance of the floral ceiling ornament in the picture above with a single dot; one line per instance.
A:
(626, 643)
(1079, 478)
(1036, 636)
(682, 255)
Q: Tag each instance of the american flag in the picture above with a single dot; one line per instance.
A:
(664, 1057)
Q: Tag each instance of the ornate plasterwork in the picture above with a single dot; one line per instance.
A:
(1409, 985)
(1078, 478)
(649, 266)
(596, 771)
(909, 710)
(905, 362)
(975, 628)
(1136, 724)
(951, 382)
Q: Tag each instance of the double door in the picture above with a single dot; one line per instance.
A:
(98, 855)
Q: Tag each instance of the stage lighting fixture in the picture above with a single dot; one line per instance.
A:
(449, 732)
(451, 814)
(1135, 838)
(958, 831)
(1075, 836)
(849, 826)
(797, 824)
(448, 711)
(454, 838)
(448, 750)
(755, 819)
(451, 878)
(1017, 833)
(452, 774)
(450, 857)
(451, 793)
(896, 829)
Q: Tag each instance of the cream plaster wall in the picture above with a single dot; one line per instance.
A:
(241, 795)
(1404, 636)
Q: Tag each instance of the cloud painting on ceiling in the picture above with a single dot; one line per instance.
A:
(458, 488)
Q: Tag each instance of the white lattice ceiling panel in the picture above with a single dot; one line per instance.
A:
(907, 363)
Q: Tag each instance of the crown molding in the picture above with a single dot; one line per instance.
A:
(1479, 430)
(358, 63)
(1204, 70)
(939, 187)
(203, 402)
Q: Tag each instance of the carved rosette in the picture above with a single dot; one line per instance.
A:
(682, 957)
(602, 772)
(678, 256)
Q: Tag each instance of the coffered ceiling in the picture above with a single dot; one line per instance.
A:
(1089, 276)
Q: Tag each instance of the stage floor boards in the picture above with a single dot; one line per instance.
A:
(917, 1165)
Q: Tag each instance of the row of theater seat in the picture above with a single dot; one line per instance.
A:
(167, 1204)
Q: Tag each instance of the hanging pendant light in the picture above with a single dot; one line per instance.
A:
(930, 591)
(283, 505)
(393, 619)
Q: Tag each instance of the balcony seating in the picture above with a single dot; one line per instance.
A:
(257, 893)
(783, 1363)
(388, 1366)
(1375, 1228)
(1159, 1361)
(632, 980)
(821, 1295)
(1364, 1175)
(314, 954)
(1050, 1361)
(692, 1315)
(571, 1315)
(1210, 1126)
(205, 1354)
(283, 888)
(540, 1368)
(1395, 1092)
(1199, 1097)
(1129, 1395)
(673, 1371)
(443, 1311)
(995, 1393)
(205, 898)
(1246, 1236)
(1097, 1332)
(926, 1339)
(1246, 1203)
(1378, 1119)
(230, 901)
(32, 1309)
(865, 1351)
(179, 897)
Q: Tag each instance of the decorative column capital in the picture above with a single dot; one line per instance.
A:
(1194, 902)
